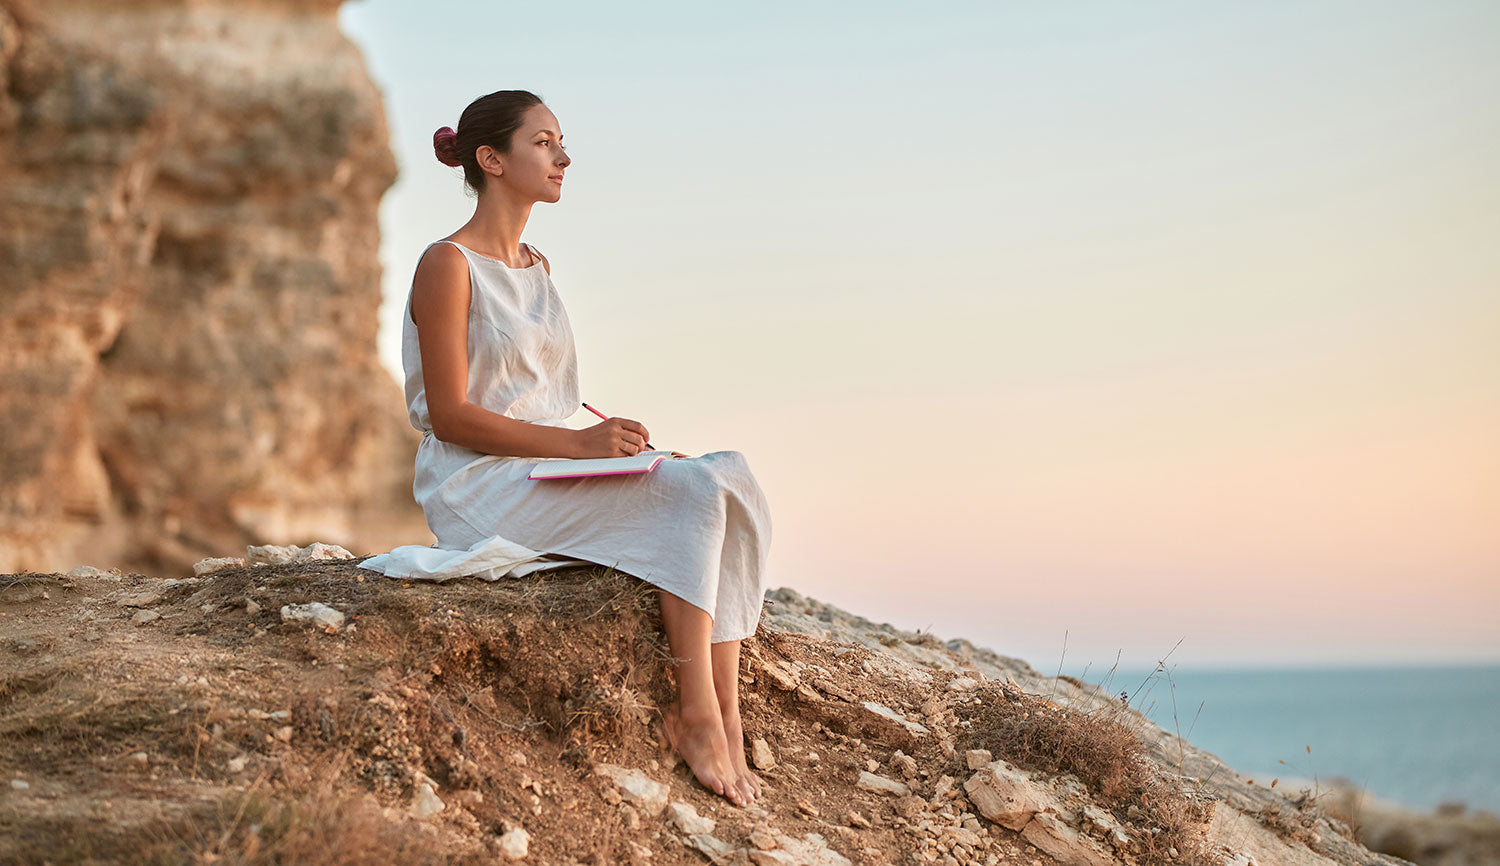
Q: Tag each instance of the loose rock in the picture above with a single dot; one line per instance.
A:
(1059, 841)
(872, 782)
(273, 554)
(761, 755)
(316, 613)
(686, 818)
(1005, 795)
(810, 850)
(712, 847)
(886, 712)
(217, 563)
(514, 843)
(636, 787)
(425, 802)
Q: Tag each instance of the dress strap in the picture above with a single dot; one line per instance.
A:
(536, 257)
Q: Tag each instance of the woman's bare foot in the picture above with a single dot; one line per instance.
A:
(734, 734)
(700, 741)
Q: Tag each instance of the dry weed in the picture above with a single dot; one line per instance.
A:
(1101, 747)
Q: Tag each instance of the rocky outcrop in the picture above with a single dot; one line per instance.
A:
(519, 721)
(189, 286)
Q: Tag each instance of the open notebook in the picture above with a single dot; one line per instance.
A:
(590, 466)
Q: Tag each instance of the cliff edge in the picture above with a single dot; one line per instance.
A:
(314, 712)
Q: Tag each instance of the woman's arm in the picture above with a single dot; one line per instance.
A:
(440, 308)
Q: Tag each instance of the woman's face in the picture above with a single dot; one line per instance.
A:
(533, 170)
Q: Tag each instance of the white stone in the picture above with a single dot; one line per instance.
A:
(425, 802)
(1062, 843)
(810, 850)
(316, 613)
(761, 755)
(712, 847)
(20, 784)
(86, 571)
(141, 599)
(978, 758)
(645, 793)
(959, 836)
(686, 818)
(274, 554)
(963, 684)
(1005, 795)
(886, 712)
(514, 843)
(217, 563)
(144, 616)
(872, 782)
(781, 678)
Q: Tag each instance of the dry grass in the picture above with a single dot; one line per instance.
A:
(1102, 748)
(446, 681)
(322, 827)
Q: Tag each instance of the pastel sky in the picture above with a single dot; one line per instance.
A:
(1116, 324)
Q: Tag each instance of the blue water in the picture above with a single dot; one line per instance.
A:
(1418, 736)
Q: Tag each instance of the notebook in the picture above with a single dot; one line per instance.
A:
(589, 467)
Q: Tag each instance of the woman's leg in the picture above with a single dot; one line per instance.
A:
(694, 723)
(726, 664)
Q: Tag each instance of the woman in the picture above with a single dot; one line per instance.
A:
(492, 377)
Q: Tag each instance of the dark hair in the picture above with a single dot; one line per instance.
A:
(491, 119)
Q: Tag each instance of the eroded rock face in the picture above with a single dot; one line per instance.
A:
(189, 286)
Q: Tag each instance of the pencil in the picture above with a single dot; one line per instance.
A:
(606, 417)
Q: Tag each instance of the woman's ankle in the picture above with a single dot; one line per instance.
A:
(697, 712)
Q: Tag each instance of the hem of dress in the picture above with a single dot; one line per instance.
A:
(630, 570)
(711, 641)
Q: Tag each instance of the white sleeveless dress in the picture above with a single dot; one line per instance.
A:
(697, 527)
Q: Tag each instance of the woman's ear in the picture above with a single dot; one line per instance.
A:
(489, 160)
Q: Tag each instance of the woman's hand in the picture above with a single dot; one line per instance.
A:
(617, 437)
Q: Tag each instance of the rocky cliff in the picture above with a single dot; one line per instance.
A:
(189, 285)
(314, 712)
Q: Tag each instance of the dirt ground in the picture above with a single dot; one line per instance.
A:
(213, 734)
(183, 721)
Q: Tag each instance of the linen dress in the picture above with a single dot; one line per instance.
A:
(696, 527)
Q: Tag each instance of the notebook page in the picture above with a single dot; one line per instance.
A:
(598, 465)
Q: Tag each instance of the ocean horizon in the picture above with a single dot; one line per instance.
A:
(1414, 735)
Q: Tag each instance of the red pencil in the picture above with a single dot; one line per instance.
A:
(606, 417)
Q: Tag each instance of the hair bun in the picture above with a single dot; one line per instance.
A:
(445, 145)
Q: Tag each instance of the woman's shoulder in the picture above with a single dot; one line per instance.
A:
(546, 265)
(443, 253)
(443, 269)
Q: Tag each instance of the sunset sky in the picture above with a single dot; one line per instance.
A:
(1130, 322)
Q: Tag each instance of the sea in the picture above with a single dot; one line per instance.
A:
(1418, 736)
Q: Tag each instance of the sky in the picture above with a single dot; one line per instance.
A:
(1090, 332)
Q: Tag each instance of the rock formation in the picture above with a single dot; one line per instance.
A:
(520, 721)
(189, 286)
